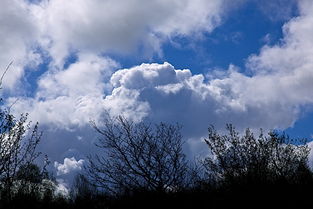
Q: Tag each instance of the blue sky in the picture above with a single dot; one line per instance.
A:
(195, 62)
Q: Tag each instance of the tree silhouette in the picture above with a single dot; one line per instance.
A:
(18, 143)
(82, 188)
(138, 156)
(29, 173)
(255, 159)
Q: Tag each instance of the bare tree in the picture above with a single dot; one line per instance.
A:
(138, 156)
(262, 158)
(18, 143)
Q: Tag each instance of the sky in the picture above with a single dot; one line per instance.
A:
(192, 62)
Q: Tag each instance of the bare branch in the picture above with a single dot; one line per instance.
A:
(4, 73)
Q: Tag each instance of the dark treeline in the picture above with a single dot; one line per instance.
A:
(144, 166)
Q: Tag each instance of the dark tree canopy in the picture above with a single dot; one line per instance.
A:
(138, 156)
(251, 158)
(30, 173)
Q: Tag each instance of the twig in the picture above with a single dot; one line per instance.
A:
(5, 71)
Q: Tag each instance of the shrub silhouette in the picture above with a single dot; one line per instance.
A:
(17, 149)
(260, 172)
(19, 175)
(143, 166)
(263, 158)
(29, 173)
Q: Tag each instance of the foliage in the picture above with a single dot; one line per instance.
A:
(19, 175)
(235, 158)
(18, 143)
(82, 188)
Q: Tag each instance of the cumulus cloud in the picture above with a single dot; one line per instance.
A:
(69, 165)
(120, 26)
(71, 96)
(18, 33)
(272, 97)
(34, 30)
(174, 95)
(287, 67)
(278, 89)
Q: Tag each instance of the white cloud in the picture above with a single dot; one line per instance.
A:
(70, 97)
(62, 188)
(280, 86)
(295, 50)
(120, 26)
(273, 97)
(58, 28)
(69, 165)
(18, 32)
(73, 96)
(286, 69)
(178, 96)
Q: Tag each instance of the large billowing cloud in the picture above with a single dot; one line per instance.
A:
(120, 26)
(162, 93)
(33, 30)
(273, 96)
